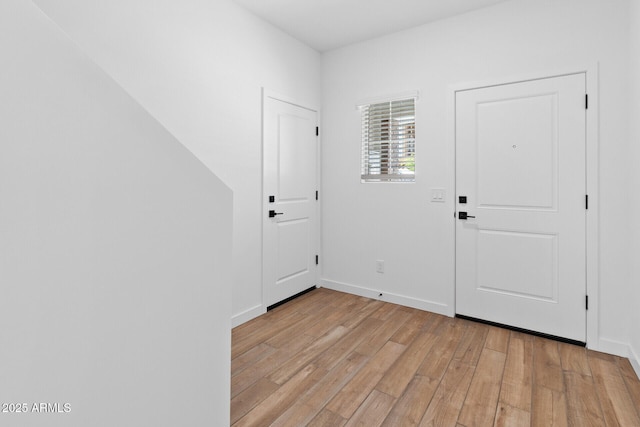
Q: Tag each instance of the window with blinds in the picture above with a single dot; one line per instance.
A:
(389, 141)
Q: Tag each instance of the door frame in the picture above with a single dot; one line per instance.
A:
(591, 72)
(266, 93)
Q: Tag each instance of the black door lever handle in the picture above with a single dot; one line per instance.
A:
(463, 215)
(273, 213)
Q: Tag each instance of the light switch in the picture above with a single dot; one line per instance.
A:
(438, 195)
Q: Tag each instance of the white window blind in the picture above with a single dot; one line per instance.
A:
(388, 141)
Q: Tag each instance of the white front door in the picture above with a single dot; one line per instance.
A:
(520, 163)
(290, 229)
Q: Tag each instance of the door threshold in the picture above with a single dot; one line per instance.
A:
(284, 301)
(524, 331)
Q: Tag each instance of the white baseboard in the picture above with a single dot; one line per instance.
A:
(434, 307)
(635, 360)
(245, 316)
(614, 347)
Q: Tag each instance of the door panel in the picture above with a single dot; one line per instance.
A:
(517, 152)
(290, 237)
(520, 160)
(526, 279)
(296, 155)
(293, 235)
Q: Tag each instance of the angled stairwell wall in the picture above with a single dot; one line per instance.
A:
(199, 66)
(115, 243)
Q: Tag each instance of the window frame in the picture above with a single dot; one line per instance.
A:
(389, 125)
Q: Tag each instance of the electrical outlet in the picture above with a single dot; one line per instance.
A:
(380, 266)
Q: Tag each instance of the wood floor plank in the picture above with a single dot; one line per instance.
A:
(355, 318)
(518, 372)
(396, 379)
(284, 337)
(240, 331)
(264, 333)
(574, 358)
(345, 345)
(310, 352)
(631, 380)
(350, 302)
(267, 365)
(329, 322)
(618, 407)
(312, 401)
(447, 401)
(411, 328)
(311, 301)
(436, 362)
(546, 364)
(626, 369)
(274, 405)
(410, 408)
(583, 406)
(385, 311)
(326, 418)
(433, 323)
(508, 416)
(373, 410)
(479, 407)
(471, 344)
(497, 339)
(249, 398)
(355, 391)
(250, 357)
(344, 309)
(548, 407)
(374, 342)
(591, 354)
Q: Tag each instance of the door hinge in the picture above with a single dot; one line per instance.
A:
(586, 302)
(586, 201)
(586, 101)
(317, 131)
(316, 194)
(317, 260)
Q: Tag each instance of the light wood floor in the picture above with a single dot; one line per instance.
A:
(334, 359)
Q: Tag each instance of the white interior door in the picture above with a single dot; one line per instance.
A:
(290, 230)
(520, 163)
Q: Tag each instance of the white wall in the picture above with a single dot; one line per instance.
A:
(362, 222)
(198, 67)
(115, 243)
(634, 140)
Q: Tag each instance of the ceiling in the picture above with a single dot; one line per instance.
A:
(329, 24)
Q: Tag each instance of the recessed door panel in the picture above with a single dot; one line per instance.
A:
(523, 265)
(517, 152)
(295, 160)
(293, 248)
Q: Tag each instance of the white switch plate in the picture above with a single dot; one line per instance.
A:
(438, 195)
(380, 266)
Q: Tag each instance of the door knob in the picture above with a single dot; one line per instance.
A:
(464, 215)
(273, 213)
